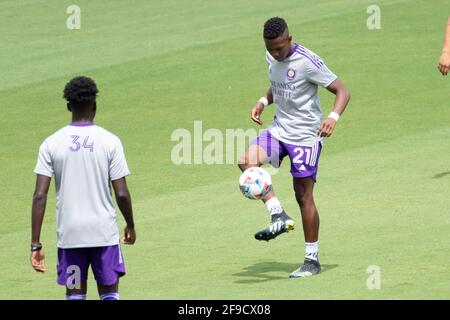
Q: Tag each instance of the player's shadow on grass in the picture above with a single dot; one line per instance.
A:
(441, 175)
(261, 272)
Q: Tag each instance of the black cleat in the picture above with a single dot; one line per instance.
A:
(309, 268)
(276, 228)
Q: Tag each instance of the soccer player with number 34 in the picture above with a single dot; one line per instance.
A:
(85, 160)
(297, 131)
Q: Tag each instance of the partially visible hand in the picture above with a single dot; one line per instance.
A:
(256, 113)
(129, 236)
(444, 63)
(38, 260)
(326, 127)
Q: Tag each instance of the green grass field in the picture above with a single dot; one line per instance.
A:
(383, 183)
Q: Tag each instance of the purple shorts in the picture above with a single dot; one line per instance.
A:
(107, 264)
(304, 159)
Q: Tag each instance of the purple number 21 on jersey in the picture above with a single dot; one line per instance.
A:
(76, 144)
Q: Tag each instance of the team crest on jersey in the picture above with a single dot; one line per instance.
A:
(290, 74)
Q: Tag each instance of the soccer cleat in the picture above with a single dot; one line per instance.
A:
(276, 228)
(309, 268)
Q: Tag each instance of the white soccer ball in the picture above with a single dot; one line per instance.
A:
(255, 183)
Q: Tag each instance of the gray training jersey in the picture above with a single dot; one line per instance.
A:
(83, 159)
(294, 82)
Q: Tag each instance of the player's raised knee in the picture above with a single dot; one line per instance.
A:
(244, 163)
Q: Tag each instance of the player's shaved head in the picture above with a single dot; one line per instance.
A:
(274, 28)
(80, 93)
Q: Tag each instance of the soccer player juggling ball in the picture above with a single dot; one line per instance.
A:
(297, 131)
(85, 160)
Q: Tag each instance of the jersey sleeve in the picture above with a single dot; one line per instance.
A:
(118, 167)
(44, 165)
(318, 72)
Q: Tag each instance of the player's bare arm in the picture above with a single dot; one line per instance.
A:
(340, 103)
(258, 109)
(444, 60)
(123, 199)
(37, 217)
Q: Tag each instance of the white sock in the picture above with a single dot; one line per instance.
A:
(312, 250)
(110, 296)
(76, 297)
(274, 206)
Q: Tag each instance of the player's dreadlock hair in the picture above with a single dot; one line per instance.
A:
(274, 27)
(80, 91)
